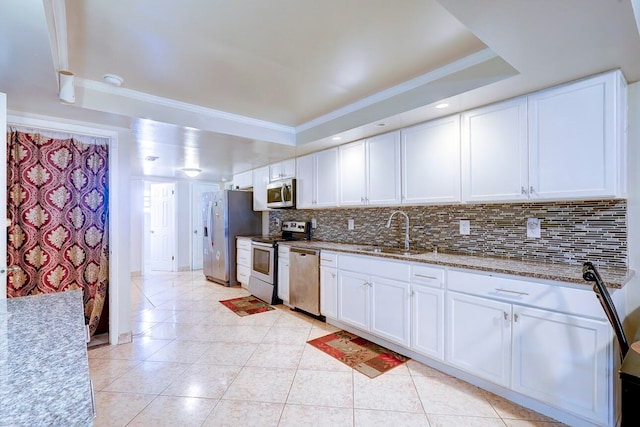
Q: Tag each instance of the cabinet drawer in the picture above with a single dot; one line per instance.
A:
(425, 274)
(582, 302)
(376, 267)
(243, 257)
(283, 252)
(243, 244)
(243, 274)
(328, 259)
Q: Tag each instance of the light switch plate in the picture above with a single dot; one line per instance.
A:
(350, 224)
(533, 228)
(314, 223)
(465, 226)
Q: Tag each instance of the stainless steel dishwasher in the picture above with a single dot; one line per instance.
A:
(304, 279)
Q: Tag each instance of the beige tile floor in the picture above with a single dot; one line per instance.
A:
(193, 362)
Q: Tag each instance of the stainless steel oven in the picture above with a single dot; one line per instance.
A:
(262, 282)
(263, 260)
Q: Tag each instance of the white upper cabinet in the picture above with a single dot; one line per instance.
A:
(353, 184)
(575, 139)
(370, 171)
(260, 181)
(383, 169)
(431, 162)
(317, 180)
(243, 180)
(282, 170)
(494, 152)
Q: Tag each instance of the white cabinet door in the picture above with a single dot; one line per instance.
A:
(353, 299)
(431, 162)
(353, 186)
(283, 279)
(282, 170)
(260, 181)
(563, 360)
(326, 174)
(572, 140)
(243, 180)
(427, 321)
(390, 310)
(329, 292)
(479, 336)
(305, 181)
(494, 152)
(383, 169)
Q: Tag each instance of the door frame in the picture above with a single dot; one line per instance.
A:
(119, 286)
(147, 223)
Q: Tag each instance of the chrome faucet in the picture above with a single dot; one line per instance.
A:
(406, 234)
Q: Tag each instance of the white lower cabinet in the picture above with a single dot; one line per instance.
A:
(390, 314)
(563, 360)
(479, 336)
(283, 273)
(243, 260)
(329, 284)
(427, 321)
(353, 299)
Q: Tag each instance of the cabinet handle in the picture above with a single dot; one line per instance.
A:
(524, 191)
(515, 317)
(532, 191)
(333, 274)
(506, 316)
(362, 199)
(324, 259)
(425, 276)
(413, 292)
(511, 292)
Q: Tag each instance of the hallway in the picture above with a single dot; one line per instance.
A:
(193, 362)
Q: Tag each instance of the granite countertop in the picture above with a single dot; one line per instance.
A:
(614, 278)
(44, 370)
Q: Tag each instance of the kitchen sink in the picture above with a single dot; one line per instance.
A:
(394, 251)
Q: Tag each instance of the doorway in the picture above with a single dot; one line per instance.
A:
(160, 227)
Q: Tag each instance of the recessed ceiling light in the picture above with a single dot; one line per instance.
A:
(191, 172)
(113, 79)
(443, 105)
(223, 179)
(381, 125)
(151, 158)
(336, 138)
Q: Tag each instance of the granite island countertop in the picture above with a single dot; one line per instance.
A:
(44, 370)
(613, 278)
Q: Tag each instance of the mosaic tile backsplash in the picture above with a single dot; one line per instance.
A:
(571, 232)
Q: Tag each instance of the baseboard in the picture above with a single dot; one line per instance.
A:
(184, 268)
(125, 338)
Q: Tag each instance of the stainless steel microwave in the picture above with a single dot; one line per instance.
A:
(282, 194)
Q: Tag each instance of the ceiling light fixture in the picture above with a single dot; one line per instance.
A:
(336, 138)
(191, 172)
(113, 79)
(151, 158)
(442, 105)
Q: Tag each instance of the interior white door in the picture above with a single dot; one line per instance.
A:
(3, 195)
(162, 229)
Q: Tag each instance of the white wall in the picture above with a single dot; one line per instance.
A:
(183, 225)
(633, 212)
(137, 225)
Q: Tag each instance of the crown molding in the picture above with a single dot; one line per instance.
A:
(451, 68)
(56, 17)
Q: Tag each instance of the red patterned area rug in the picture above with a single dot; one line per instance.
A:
(358, 353)
(245, 306)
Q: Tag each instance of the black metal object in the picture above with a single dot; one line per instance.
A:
(590, 274)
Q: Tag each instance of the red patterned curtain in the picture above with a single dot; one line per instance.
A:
(57, 202)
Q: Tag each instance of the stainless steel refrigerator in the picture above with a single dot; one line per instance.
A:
(226, 214)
